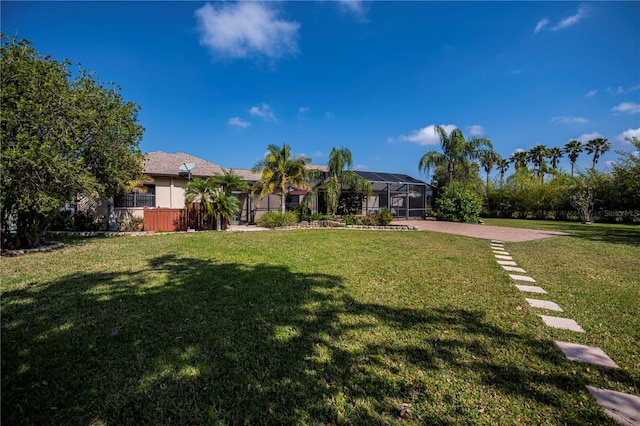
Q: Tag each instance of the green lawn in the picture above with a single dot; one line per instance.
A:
(312, 327)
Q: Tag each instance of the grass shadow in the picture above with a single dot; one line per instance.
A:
(192, 341)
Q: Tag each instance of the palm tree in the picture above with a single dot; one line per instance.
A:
(488, 159)
(280, 170)
(537, 155)
(455, 150)
(503, 166)
(520, 159)
(225, 206)
(202, 192)
(337, 176)
(555, 154)
(214, 201)
(597, 147)
(573, 149)
(229, 182)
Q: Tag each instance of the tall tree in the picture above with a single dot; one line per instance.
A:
(537, 155)
(488, 159)
(597, 147)
(555, 154)
(62, 138)
(455, 150)
(626, 180)
(520, 159)
(338, 176)
(503, 166)
(279, 170)
(573, 148)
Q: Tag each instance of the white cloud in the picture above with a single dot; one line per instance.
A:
(263, 111)
(628, 107)
(518, 150)
(476, 130)
(355, 7)
(571, 20)
(622, 91)
(238, 122)
(565, 23)
(569, 120)
(426, 135)
(303, 109)
(590, 93)
(586, 137)
(319, 154)
(610, 164)
(360, 167)
(630, 133)
(329, 115)
(246, 29)
(541, 24)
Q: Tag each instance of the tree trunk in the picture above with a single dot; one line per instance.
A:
(451, 167)
(282, 197)
(30, 227)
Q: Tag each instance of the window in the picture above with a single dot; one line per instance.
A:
(137, 198)
(292, 202)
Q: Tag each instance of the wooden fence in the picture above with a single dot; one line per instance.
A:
(165, 219)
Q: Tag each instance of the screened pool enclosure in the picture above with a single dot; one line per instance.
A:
(405, 196)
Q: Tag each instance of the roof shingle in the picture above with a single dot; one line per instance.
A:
(160, 163)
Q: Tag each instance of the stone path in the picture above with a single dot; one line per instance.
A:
(544, 304)
(623, 408)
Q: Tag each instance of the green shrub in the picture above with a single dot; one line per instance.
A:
(276, 219)
(304, 213)
(352, 219)
(131, 224)
(458, 205)
(385, 216)
(370, 219)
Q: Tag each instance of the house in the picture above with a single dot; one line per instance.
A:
(167, 186)
(404, 195)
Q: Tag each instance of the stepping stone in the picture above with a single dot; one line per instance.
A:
(586, 354)
(497, 241)
(501, 257)
(504, 253)
(513, 269)
(507, 263)
(497, 245)
(522, 278)
(621, 407)
(562, 323)
(531, 289)
(543, 304)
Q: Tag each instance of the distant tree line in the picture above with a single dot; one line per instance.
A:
(536, 188)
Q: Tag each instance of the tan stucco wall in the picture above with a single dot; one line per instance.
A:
(124, 213)
(170, 192)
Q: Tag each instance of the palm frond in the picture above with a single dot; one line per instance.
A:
(431, 160)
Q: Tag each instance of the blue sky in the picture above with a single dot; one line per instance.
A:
(222, 80)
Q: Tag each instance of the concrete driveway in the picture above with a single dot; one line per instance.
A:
(487, 232)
